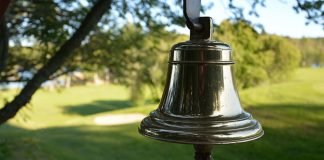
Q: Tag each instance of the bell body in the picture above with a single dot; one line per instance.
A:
(200, 103)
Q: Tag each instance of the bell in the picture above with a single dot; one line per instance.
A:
(200, 103)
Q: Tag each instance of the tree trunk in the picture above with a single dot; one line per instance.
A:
(3, 7)
(65, 52)
(4, 44)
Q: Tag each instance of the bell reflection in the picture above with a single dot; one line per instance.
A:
(200, 104)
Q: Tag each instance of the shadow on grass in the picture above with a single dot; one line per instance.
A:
(87, 142)
(301, 116)
(101, 106)
(97, 107)
(292, 131)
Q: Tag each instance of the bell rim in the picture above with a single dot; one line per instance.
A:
(203, 142)
(241, 130)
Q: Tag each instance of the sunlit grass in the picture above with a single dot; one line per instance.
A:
(58, 125)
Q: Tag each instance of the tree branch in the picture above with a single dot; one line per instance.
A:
(65, 52)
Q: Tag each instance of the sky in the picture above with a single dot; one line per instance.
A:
(278, 17)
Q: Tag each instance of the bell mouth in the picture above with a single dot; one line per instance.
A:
(209, 130)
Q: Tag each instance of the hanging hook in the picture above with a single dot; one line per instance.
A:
(191, 11)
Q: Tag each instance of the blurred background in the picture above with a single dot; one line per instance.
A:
(76, 77)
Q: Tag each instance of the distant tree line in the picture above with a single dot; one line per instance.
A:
(138, 58)
(312, 50)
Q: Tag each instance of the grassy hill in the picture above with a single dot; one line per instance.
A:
(59, 125)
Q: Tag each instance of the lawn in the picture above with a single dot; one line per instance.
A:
(58, 125)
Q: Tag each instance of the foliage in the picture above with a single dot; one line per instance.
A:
(44, 21)
(259, 57)
(48, 21)
(312, 50)
(133, 57)
(25, 59)
(314, 10)
(285, 57)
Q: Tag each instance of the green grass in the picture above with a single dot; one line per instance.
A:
(59, 125)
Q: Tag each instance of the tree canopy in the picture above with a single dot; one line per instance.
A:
(259, 57)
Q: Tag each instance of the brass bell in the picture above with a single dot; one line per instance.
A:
(200, 103)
